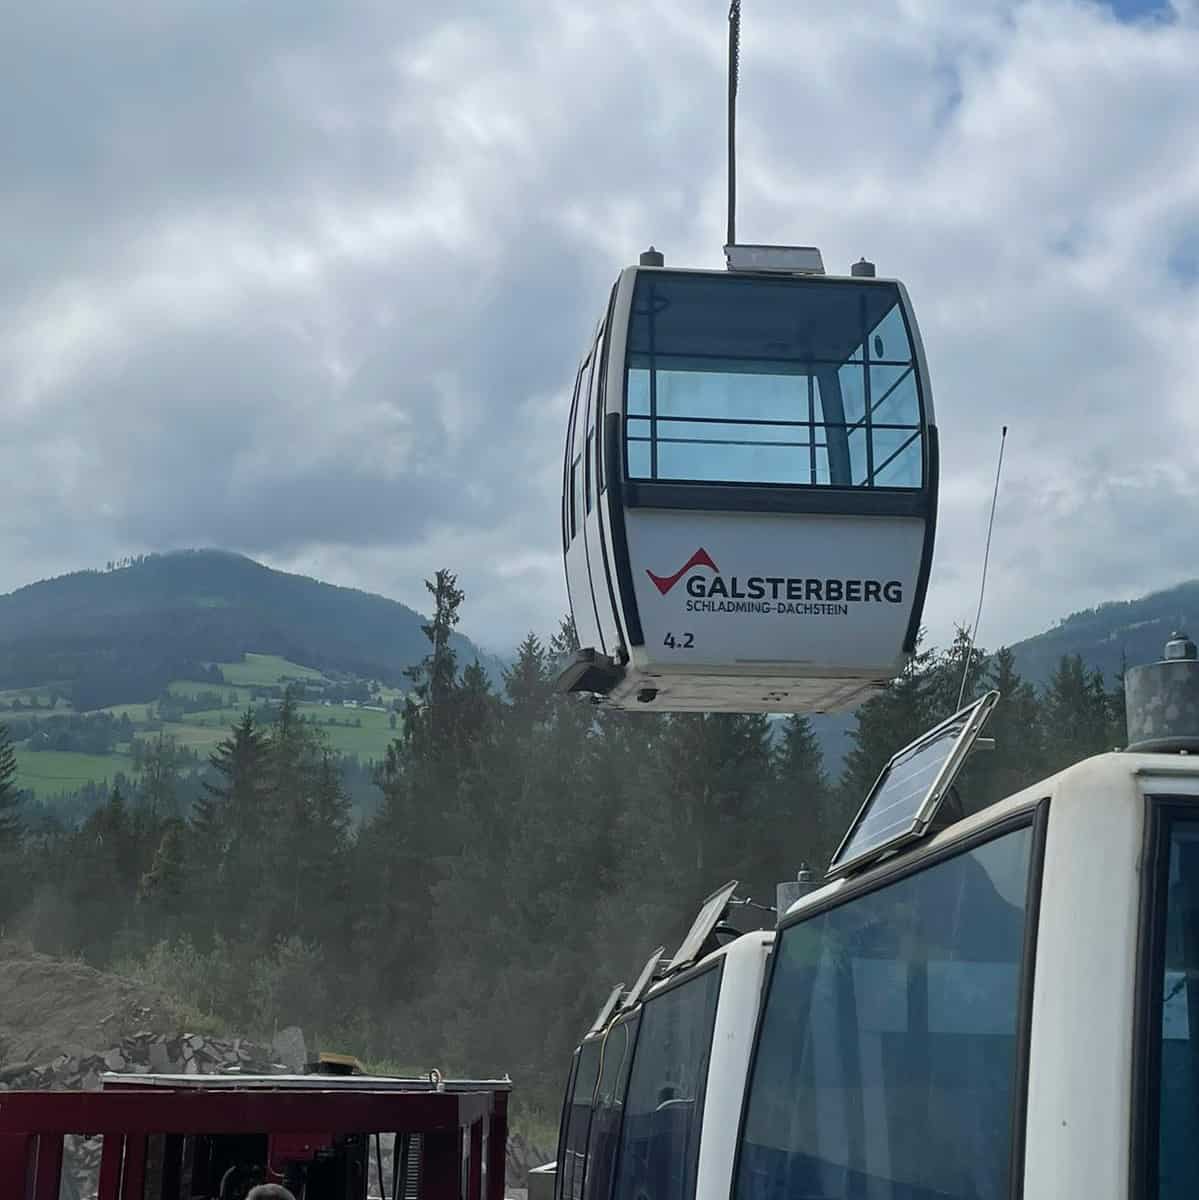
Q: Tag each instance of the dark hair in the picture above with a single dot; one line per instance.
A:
(269, 1191)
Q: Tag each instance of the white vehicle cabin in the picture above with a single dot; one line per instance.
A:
(653, 1097)
(749, 488)
(1007, 1008)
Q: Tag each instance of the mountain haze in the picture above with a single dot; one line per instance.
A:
(1119, 632)
(120, 635)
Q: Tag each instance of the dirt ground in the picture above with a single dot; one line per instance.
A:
(50, 1007)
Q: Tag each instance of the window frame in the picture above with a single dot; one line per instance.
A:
(560, 1173)
(564, 1120)
(1163, 811)
(567, 535)
(784, 496)
(903, 866)
(576, 522)
(631, 1018)
(681, 980)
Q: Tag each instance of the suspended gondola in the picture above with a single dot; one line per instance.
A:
(749, 488)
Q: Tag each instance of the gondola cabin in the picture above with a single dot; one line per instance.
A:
(1002, 1001)
(655, 1087)
(749, 487)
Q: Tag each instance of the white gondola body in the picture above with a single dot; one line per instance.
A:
(798, 589)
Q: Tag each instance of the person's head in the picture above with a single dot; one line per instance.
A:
(269, 1191)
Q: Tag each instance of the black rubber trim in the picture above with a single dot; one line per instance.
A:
(1161, 812)
(601, 457)
(930, 536)
(614, 462)
(883, 876)
(777, 498)
(1028, 970)
(589, 490)
(559, 1174)
(633, 1018)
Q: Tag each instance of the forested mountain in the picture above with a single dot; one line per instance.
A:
(1132, 631)
(525, 851)
(121, 635)
(1103, 638)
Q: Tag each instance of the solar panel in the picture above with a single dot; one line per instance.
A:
(710, 913)
(647, 973)
(606, 1011)
(905, 797)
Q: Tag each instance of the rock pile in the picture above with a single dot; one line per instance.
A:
(522, 1156)
(145, 1053)
(142, 1053)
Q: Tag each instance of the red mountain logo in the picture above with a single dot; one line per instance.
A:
(701, 558)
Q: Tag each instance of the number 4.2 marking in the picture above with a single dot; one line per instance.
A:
(684, 641)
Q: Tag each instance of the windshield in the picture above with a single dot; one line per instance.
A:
(609, 1108)
(659, 1141)
(572, 1158)
(887, 1056)
(1178, 1097)
(778, 381)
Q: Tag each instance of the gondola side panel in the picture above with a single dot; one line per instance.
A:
(829, 594)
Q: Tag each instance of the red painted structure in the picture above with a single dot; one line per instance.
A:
(464, 1133)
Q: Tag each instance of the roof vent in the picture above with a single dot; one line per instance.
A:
(786, 894)
(652, 258)
(862, 269)
(1162, 701)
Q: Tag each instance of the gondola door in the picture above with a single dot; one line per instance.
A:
(578, 487)
(603, 587)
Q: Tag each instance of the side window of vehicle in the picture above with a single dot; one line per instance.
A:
(568, 513)
(576, 497)
(609, 1109)
(572, 1158)
(590, 457)
(1173, 1019)
(659, 1138)
(888, 1051)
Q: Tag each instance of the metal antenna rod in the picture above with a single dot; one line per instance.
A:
(734, 63)
(982, 587)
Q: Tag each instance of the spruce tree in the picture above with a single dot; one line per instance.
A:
(528, 687)
(1018, 730)
(10, 822)
(11, 886)
(888, 722)
(1076, 714)
(228, 827)
(808, 821)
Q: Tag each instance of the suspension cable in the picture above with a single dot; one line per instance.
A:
(734, 71)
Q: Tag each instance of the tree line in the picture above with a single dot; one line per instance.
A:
(526, 851)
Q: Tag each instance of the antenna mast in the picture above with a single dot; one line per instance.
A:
(734, 62)
(982, 587)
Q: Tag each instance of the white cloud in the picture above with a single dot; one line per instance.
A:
(317, 293)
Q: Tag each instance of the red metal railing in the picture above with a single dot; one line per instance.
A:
(464, 1134)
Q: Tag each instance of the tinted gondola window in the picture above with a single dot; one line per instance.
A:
(572, 1155)
(659, 1140)
(1177, 1021)
(795, 381)
(609, 1109)
(886, 1063)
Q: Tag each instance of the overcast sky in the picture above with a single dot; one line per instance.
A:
(309, 280)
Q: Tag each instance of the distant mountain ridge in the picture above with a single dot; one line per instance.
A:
(120, 635)
(1115, 633)
(1106, 638)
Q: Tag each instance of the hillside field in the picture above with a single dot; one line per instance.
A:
(354, 731)
(47, 773)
